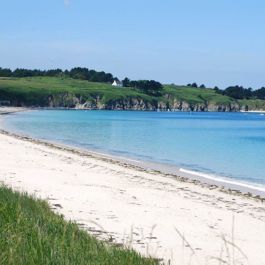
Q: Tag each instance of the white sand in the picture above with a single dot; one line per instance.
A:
(6, 110)
(138, 208)
(253, 111)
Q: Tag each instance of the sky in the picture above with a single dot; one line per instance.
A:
(211, 42)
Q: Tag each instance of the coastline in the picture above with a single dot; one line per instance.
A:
(226, 184)
(155, 213)
(169, 216)
(10, 110)
(252, 111)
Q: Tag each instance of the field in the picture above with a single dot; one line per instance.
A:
(30, 233)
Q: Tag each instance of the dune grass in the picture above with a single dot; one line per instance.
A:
(30, 233)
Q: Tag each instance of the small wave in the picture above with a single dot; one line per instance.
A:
(223, 180)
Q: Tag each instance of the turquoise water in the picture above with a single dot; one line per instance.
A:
(230, 145)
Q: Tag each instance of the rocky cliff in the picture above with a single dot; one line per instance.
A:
(131, 103)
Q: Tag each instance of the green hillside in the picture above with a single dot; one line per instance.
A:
(74, 93)
(35, 91)
(196, 95)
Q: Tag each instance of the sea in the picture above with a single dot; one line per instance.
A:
(230, 146)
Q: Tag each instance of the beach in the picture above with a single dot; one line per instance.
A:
(10, 110)
(157, 214)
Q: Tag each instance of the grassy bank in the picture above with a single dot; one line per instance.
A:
(30, 233)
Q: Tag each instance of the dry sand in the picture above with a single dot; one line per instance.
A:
(155, 213)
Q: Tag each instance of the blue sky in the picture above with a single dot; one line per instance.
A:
(205, 41)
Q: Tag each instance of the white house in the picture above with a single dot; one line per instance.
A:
(117, 83)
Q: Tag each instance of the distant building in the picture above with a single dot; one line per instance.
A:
(117, 83)
(5, 103)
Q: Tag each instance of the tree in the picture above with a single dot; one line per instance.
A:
(126, 82)
(20, 72)
(4, 72)
(238, 92)
(54, 72)
(202, 86)
(248, 93)
(194, 85)
(109, 78)
(217, 90)
(259, 93)
(79, 73)
(149, 87)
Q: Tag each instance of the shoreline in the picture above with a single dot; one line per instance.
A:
(226, 184)
(253, 111)
(139, 208)
(10, 110)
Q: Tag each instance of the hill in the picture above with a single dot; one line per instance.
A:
(65, 92)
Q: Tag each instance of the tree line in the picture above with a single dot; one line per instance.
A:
(76, 73)
(237, 92)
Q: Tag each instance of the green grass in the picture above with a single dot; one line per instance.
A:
(196, 95)
(35, 91)
(30, 233)
(63, 92)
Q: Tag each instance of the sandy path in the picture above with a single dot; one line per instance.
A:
(148, 211)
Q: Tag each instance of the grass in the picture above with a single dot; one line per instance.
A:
(196, 95)
(38, 91)
(30, 233)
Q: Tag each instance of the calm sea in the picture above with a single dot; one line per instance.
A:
(230, 145)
